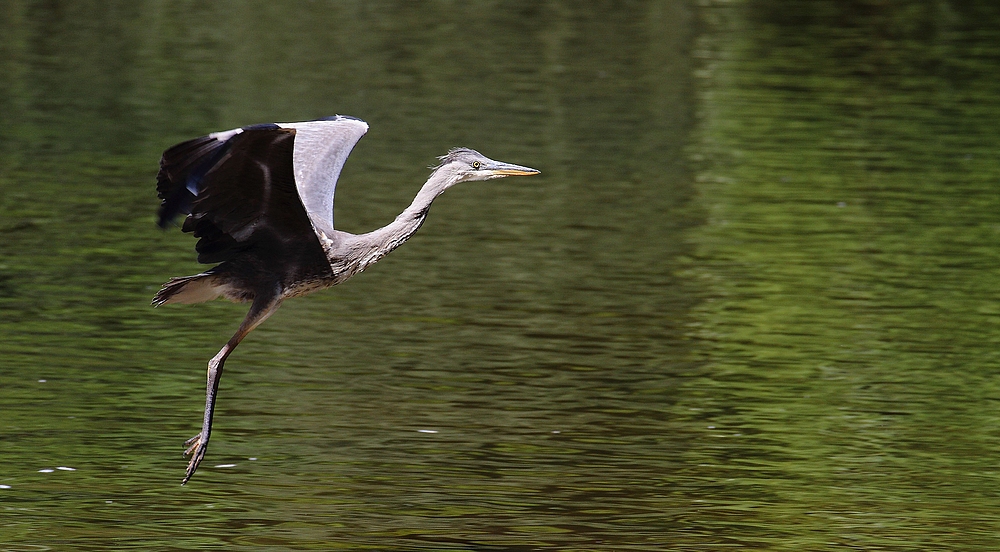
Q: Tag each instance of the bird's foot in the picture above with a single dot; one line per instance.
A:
(196, 447)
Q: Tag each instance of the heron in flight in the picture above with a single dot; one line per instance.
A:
(260, 200)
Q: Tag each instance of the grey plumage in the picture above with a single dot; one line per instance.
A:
(260, 200)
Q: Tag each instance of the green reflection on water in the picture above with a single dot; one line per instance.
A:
(850, 261)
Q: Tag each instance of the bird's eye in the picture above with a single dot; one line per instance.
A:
(476, 165)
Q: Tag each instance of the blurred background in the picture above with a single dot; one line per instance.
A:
(751, 302)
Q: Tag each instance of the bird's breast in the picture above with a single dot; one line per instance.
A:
(307, 286)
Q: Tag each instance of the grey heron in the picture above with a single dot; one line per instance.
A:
(260, 200)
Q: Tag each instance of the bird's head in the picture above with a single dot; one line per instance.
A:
(469, 165)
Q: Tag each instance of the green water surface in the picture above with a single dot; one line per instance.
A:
(750, 303)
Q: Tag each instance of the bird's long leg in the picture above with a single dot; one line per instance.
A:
(261, 308)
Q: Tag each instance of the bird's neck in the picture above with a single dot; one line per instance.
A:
(365, 249)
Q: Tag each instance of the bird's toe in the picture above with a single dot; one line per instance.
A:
(192, 444)
(196, 447)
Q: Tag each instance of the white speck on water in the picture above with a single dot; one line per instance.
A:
(64, 468)
(427, 430)
(41, 381)
(109, 501)
(4, 486)
(226, 466)
(556, 431)
(251, 459)
(711, 427)
(46, 470)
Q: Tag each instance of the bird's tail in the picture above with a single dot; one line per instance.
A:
(190, 289)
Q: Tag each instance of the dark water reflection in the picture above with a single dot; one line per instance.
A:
(500, 383)
(788, 347)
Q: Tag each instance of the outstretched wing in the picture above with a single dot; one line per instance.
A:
(182, 169)
(321, 148)
(239, 192)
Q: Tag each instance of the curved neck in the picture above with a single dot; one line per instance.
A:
(366, 249)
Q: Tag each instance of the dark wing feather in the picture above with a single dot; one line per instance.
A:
(245, 200)
(181, 168)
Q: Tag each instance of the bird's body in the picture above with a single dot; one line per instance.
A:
(260, 200)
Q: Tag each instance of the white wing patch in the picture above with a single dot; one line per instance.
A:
(226, 134)
(318, 155)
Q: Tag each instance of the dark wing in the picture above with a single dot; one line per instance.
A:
(239, 192)
(182, 167)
